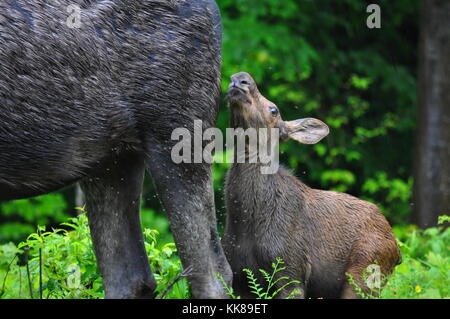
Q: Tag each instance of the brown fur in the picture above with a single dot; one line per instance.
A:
(321, 235)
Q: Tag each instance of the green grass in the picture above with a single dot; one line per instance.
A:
(425, 269)
(69, 269)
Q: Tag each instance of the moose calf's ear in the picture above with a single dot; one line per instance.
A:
(307, 131)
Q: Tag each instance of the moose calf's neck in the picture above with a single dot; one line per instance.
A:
(257, 196)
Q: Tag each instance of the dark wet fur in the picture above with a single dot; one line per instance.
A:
(98, 103)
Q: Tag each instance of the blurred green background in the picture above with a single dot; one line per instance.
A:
(313, 59)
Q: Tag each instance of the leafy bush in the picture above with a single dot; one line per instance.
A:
(19, 217)
(69, 267)
(425, 269)
(159, 222)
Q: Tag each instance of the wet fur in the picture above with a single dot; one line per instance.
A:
(97, 105)
(319, 234)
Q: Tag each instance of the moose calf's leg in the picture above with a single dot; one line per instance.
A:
(113, 205)
(348, 289)
(348, 292)
(187, 195)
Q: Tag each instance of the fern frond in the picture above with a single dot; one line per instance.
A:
(283, 287)
(254, 286)
(229, 290)
(294, 293)
(266, 275)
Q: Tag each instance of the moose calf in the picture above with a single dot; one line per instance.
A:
(321, 235)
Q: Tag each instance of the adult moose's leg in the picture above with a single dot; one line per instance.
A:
(187, 195)
(113, 204)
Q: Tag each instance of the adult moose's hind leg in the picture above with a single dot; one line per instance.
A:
(187, 195)
(113, 204)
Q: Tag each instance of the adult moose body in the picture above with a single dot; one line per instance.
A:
(97, 103)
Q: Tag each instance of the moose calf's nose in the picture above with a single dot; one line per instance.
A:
(234, 83)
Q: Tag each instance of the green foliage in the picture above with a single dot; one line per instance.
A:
(151, 219)
(166, 266)
(69, 265)
(424, 272)
(64, 254)
(271, 280)
(20, 217)
(229, 289)
(425, 268)
(358, 289)
(397, 194)
(443, 219)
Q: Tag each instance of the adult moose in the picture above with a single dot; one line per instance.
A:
(95, 100)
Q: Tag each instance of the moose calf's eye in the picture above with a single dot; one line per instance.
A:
(273, 111)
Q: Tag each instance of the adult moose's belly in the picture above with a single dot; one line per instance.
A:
(46, 147)
(35, 166)
(31, 189)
